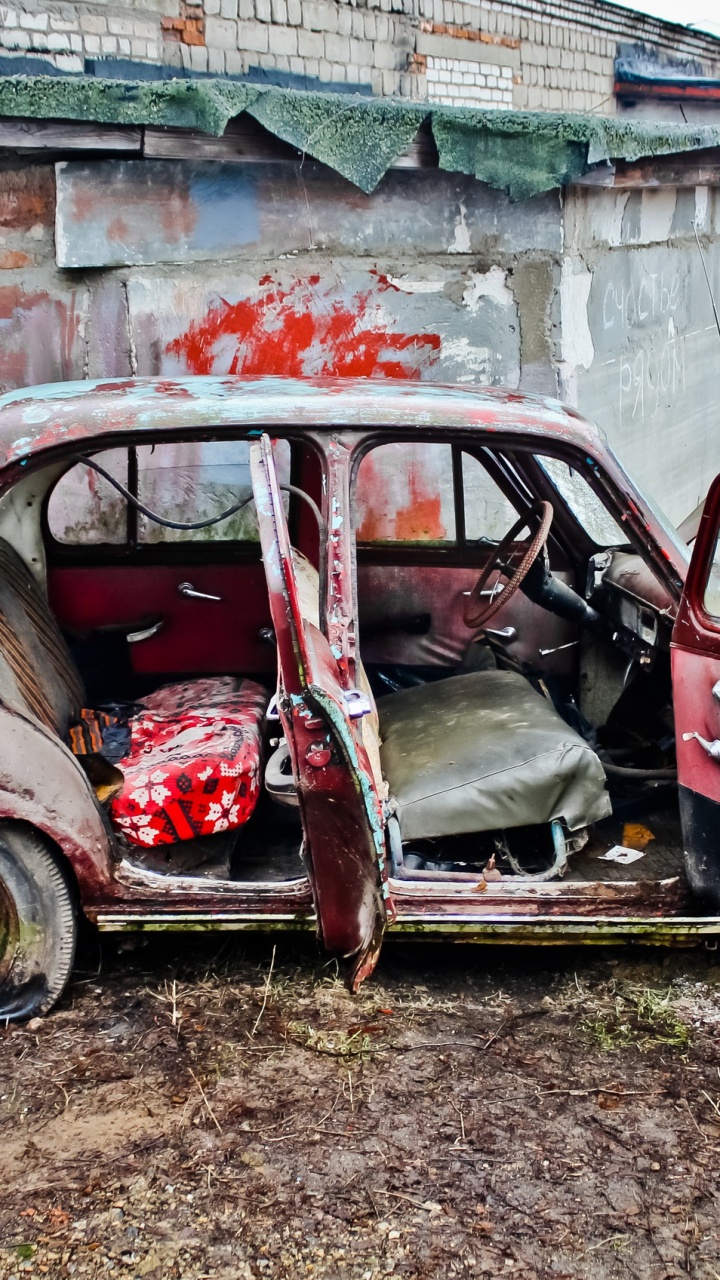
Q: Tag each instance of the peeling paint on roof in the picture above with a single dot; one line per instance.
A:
(521, 152)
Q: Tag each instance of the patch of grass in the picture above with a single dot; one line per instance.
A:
(334, 1044)
(637, 1016)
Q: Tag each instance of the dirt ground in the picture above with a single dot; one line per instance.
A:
(203, 1108)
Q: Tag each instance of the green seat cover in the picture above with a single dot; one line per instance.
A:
(484, 752)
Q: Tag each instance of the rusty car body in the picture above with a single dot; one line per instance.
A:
(459, 721)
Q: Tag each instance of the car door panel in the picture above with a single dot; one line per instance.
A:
(340, 806)
(696, 692)
(408, 592)
(196, 636)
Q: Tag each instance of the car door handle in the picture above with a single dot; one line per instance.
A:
(712, 748)
(144, 633)
(187, 590)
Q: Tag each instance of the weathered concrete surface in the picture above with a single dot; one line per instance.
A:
(127, 212)
(638, 345)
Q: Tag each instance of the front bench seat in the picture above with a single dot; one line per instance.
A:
(485, 752)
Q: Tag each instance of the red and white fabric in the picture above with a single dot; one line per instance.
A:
(194, 767)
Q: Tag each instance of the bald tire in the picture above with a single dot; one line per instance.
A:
(38, 924)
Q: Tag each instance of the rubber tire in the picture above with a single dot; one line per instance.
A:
(38, 924)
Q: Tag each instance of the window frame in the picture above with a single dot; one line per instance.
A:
(180, 551)
(510, 463)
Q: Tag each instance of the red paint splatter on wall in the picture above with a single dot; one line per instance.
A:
(303, 330)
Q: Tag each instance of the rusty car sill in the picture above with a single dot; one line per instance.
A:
(115, 922)
(658, 931)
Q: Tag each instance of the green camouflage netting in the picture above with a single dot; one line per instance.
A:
(521, 152)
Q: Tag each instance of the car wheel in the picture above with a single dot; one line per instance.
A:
(38, 924)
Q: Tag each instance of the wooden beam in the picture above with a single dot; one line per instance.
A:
(687, 169)
(246, 140)
(19, 134)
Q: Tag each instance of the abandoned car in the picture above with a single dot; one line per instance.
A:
(344, 655)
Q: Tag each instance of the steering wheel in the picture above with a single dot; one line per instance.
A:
(479, 608)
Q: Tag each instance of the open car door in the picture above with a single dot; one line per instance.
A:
(340, 804)
(696, 697)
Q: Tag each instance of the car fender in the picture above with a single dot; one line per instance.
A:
(42, 783)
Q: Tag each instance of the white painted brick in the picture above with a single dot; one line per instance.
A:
(9, 17)
(34, 21)
(311, 44)
(344, 22)
(58, 42)
(120, 26)
(61, 24)
(153, 50)
(278, 8)
(69, 62)
(337, 48)
(124, 48)
(108, 44)
(382, 26)
(297, 66)
(294, 9)
(146, 30)
(235, 62)
(252, 36)
(312, 67)
(198, 57)
(139, 47)
(245, 9)
(228, 9)
(212, 8)
(263, 12)
(92, 44)
(283, 40)
(222, 33)
(216, 61)
(15, 39)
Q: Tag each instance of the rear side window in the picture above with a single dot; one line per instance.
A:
(183, 482)
(84, 508)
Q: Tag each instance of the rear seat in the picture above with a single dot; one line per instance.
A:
(195, 758)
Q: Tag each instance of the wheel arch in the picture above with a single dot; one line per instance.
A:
(43, 786)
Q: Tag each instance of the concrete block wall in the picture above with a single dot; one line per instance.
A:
(550, 55)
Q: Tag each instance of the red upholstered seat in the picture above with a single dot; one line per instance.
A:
(194, 764)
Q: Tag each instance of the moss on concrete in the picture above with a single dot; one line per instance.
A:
(523, 153)
(357, 137)
(189, 104)
(526, 152)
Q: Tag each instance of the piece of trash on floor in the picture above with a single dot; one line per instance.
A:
(619, 853)
(636, 836)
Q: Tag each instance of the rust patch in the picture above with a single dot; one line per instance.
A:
(10, 259)
(27, 197)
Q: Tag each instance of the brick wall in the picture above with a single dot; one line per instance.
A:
(550, 54)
